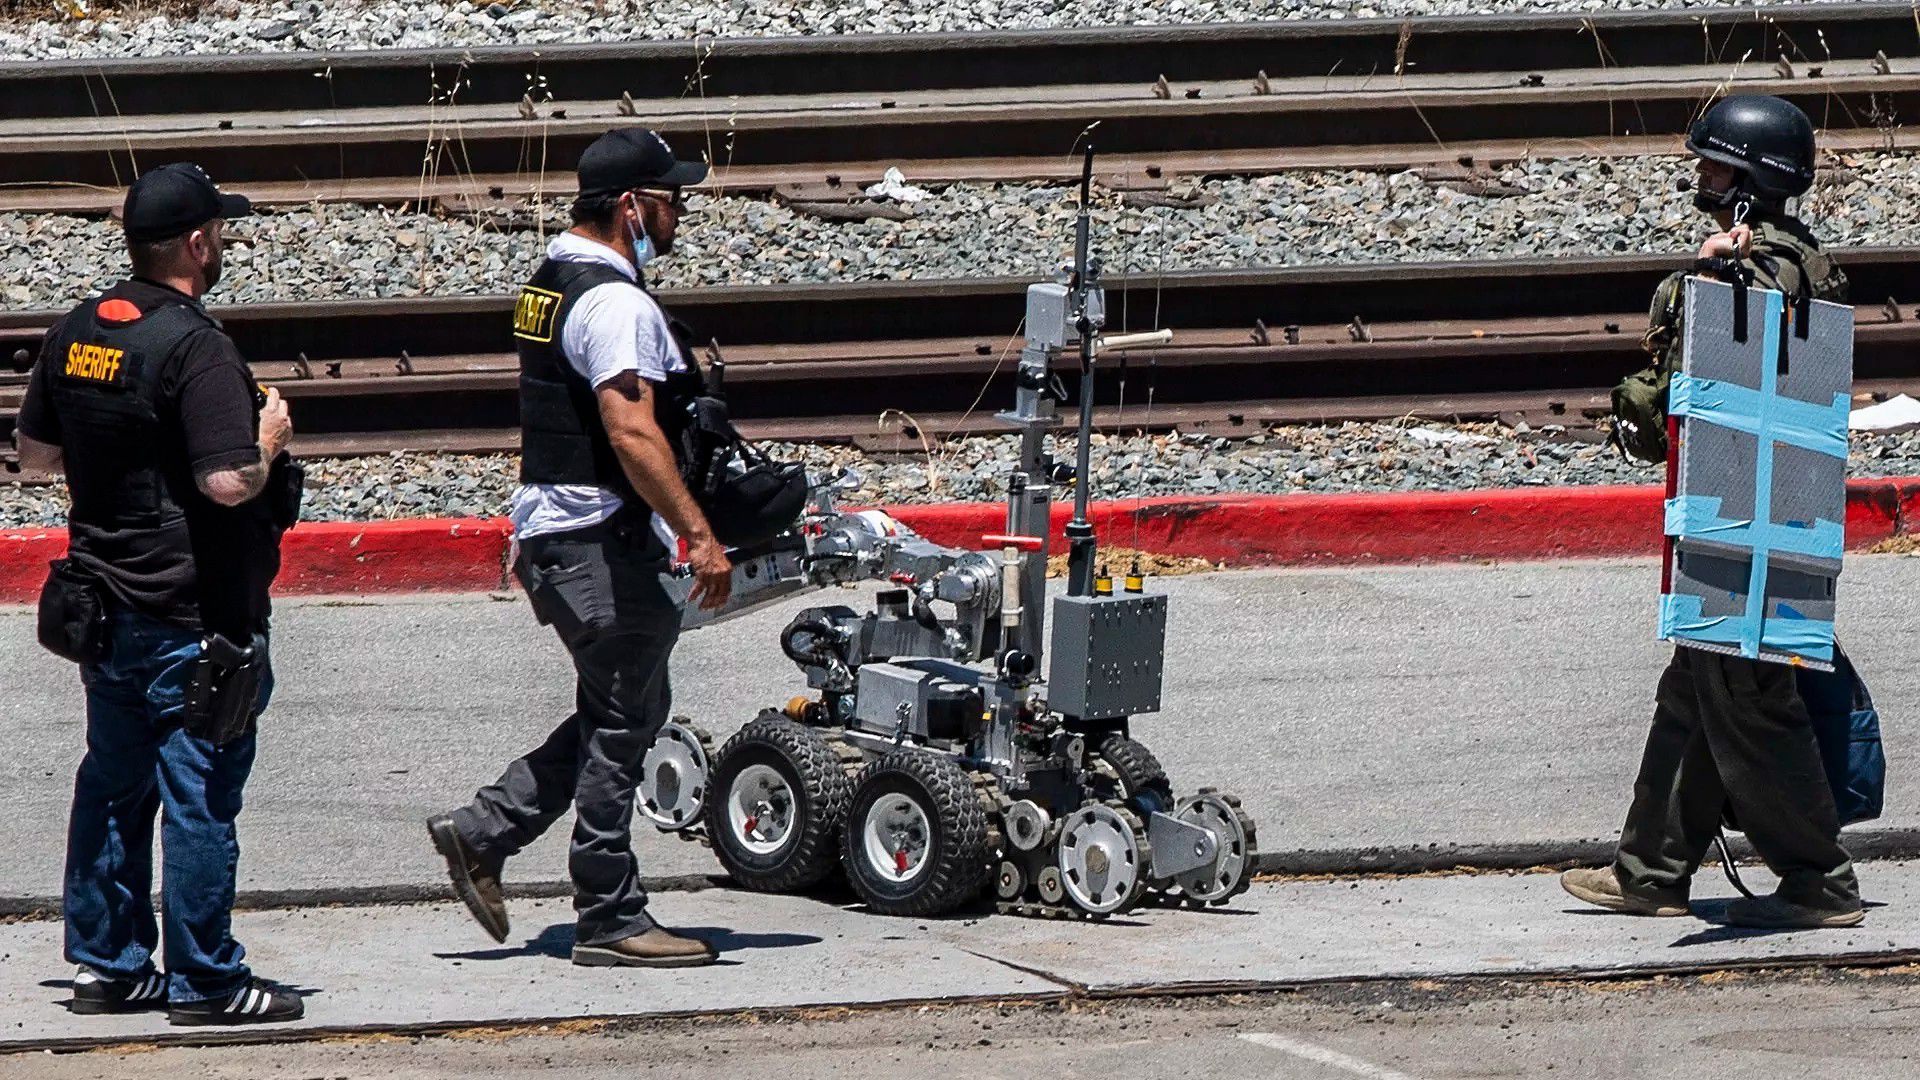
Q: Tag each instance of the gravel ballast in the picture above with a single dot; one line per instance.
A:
(1575, 206)
(222, 26)
(1377, 457)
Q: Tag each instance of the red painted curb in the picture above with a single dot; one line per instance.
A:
(1876, 510)
(1271, 530)
(422, 555)
(469, 554)
(24, 555)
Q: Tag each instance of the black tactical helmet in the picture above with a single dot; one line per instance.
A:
(1770, 143)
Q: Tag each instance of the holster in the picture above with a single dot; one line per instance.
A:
(73, 614)
(225, 687)
(286, 487)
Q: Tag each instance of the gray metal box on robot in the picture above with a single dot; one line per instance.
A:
(902, 696)
(1050, 322)
(1106, 655)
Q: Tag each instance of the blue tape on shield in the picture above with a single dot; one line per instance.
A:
(1772, 420)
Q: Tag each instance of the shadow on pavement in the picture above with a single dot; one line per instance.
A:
(732, 941)
(556, 941)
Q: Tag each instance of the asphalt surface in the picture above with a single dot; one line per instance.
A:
(1863, 1025)
(1452, 705)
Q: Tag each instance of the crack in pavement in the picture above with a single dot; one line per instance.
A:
(1079, 989)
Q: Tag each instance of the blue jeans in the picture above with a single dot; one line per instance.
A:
(138, 761)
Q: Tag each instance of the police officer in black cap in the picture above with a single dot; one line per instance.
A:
(175, 462)
(604, 389)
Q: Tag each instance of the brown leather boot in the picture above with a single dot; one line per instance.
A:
(476, 881)
(657, 947)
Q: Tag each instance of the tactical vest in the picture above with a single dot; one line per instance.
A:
(105, 388)
(1786, 257)
(562, 438)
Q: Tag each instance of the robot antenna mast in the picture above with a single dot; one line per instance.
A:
(1088, 322)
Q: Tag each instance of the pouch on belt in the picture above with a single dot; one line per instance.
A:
(73, 613)
(286, 487)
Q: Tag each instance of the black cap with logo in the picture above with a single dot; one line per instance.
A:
(629, 158)
(173, 199)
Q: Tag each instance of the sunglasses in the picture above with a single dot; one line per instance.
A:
(673, 197)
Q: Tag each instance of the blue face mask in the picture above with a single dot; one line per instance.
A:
(642, 247)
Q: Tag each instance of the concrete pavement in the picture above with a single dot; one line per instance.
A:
(421, 967)
(1859, 1024)
(1445, 706)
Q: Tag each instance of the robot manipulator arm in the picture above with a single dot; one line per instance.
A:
(829, 549)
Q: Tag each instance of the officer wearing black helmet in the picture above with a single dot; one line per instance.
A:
(1754, 154)
(180, 490)
(1729, 731)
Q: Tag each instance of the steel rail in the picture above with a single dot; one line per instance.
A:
(1807, 34)
(420, 141)
(1540, 331)
(815, 183)
(989, 308)
(771, 104)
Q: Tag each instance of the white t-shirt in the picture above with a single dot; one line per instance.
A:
(611, 330)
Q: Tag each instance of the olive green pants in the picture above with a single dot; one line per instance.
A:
(1733, 732)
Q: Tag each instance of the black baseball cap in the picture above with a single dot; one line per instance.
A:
(629, 158)
(174, 199)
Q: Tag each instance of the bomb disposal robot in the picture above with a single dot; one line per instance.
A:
(932, 759)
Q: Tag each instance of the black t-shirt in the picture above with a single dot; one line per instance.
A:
(217, 574)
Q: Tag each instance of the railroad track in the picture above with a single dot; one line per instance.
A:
(1253, 97)
(815, 118)
(1539, 337)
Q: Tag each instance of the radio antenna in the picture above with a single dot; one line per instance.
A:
(1079, 531)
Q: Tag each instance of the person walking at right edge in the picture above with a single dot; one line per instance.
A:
(1729, 730)
(603, 384)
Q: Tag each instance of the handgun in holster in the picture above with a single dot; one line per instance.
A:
(226, 685)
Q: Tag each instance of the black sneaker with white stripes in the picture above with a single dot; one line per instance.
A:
(256, 1002)
(94, 993)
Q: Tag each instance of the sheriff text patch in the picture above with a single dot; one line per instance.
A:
(95, 363)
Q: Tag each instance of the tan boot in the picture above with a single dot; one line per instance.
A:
(1777, 913)
(1601, 888)
(657, 947)
(476, 881)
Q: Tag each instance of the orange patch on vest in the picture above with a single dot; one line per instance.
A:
(119, 311)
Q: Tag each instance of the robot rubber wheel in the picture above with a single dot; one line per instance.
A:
(1141, 780)
(674, 776)
(775, 805)
(916, 840)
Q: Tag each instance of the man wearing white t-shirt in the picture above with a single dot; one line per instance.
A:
(603, 385)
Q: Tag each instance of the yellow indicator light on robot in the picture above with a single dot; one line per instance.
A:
(1102, 583)
(1135, 583)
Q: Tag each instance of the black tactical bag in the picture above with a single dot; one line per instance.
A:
(748, 497)
(73, 614)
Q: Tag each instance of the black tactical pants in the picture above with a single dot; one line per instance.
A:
(601, 590)
(1727, 730)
